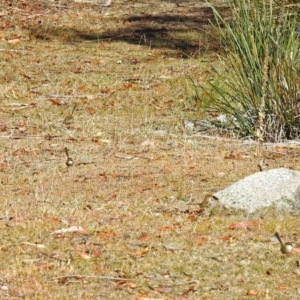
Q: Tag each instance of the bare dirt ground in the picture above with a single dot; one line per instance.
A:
(126, 221)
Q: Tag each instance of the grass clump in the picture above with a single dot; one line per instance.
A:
(257, 87)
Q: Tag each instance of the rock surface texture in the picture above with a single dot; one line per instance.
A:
(276, 187)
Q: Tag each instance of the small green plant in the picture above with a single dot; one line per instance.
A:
(257, 86)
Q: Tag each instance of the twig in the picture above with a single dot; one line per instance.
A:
(72, 96)
(18, 137)
(110, 38)
(13, 50)
(217, 138)
(91, 276)
(55, 257)
(287, 144)
(61, 6)
(23, 107)
(183, 283)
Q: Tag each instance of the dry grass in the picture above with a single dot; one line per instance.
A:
(138, 177)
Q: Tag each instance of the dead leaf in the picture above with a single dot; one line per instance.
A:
(14, 41)
(84, 255)
(145, 237)
(83, 87)
(97, 254)
(295, 251)
(106, 234)
(127, 283)
(127, 85)
(281, 150)
(167, 228)
(191, 288)
(255, 293)
(141, 297)
(44, 267)
(104, 91)
(3, 127)
(91, 110)
(56, 102)
(21, 151)
(237, 156)
(202, 240)
(243, 224)
(281, 287)
(141, 252)
(227, 238)
(53, 219)
(194, 213)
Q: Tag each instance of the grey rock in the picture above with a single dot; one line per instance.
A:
(277, 187)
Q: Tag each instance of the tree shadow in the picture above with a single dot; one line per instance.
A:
(188, 30)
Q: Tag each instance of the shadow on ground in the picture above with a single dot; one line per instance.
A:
(186, 29)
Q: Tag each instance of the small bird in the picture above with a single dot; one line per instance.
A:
(284, 248)
(70, 161)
